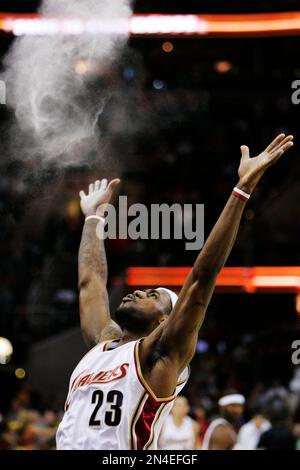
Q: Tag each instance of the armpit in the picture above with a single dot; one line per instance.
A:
(110, 332)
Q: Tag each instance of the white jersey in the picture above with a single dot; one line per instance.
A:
(211, 428)
(110, 406)
(249, 435)
(174, 437)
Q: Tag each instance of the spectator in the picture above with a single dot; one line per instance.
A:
(200, 415)
(221, 433)
(249, 434)
(280, 435)
(297, 435)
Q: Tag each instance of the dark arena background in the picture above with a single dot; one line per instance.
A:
(177, 102)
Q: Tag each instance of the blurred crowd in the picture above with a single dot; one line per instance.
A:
(27, 428)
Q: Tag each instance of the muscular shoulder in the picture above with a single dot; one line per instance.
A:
(221, 438)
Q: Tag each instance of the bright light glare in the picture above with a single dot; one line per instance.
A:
(6, 350)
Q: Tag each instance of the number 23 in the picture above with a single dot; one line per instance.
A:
(113, 416)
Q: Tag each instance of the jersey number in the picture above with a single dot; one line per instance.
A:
(113, 416)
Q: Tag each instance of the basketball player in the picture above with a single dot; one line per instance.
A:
(179, 431)
(221, 433)
(122, 391)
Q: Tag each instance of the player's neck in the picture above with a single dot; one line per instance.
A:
(178, 420)
(128, 336)
(230, 421)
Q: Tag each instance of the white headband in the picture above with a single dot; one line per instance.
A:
(233, 399)
(172, 295)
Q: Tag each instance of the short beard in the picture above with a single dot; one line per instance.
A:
(134, 320)
(230, 418)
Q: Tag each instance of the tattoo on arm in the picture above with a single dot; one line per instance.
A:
(94, 304)
(92, 251)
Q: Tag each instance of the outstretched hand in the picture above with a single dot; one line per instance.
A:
(100, 194)
(252, 169)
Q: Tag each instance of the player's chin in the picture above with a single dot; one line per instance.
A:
(124, 309)
(130, 318)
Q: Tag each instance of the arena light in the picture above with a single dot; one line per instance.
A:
(168, 47)
(168, 25)
(6, 350)
(260, 24)
(36, 25)
(223, 66)
(297, 303)
(20, 373)
(231, 279)
(276, 281)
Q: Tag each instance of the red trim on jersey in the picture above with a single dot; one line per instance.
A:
(144, 423)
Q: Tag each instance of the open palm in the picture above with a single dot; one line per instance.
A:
(252, 169)
(99, 195)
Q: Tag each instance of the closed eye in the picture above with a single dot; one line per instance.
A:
(153, 294)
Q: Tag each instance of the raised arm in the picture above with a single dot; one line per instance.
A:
(176, 338)
(95, 320)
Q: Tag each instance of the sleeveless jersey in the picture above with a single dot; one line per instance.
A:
(209, 432)
(109, 404)
(173, 437)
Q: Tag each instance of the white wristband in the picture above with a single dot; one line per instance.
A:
(95, 217)
(237, 192)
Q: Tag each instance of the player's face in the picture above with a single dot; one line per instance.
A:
(143, 310)
(181, 407)
(233, 412)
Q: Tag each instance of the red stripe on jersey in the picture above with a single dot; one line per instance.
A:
(145, 421)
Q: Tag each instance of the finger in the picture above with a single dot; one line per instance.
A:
(91, 188)
(82, 194)
(287, 139)
(245, 152)
(286, 146)
(113, 184)
(278, 153)
(103, 184)
(275, 142)
(97, 185)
